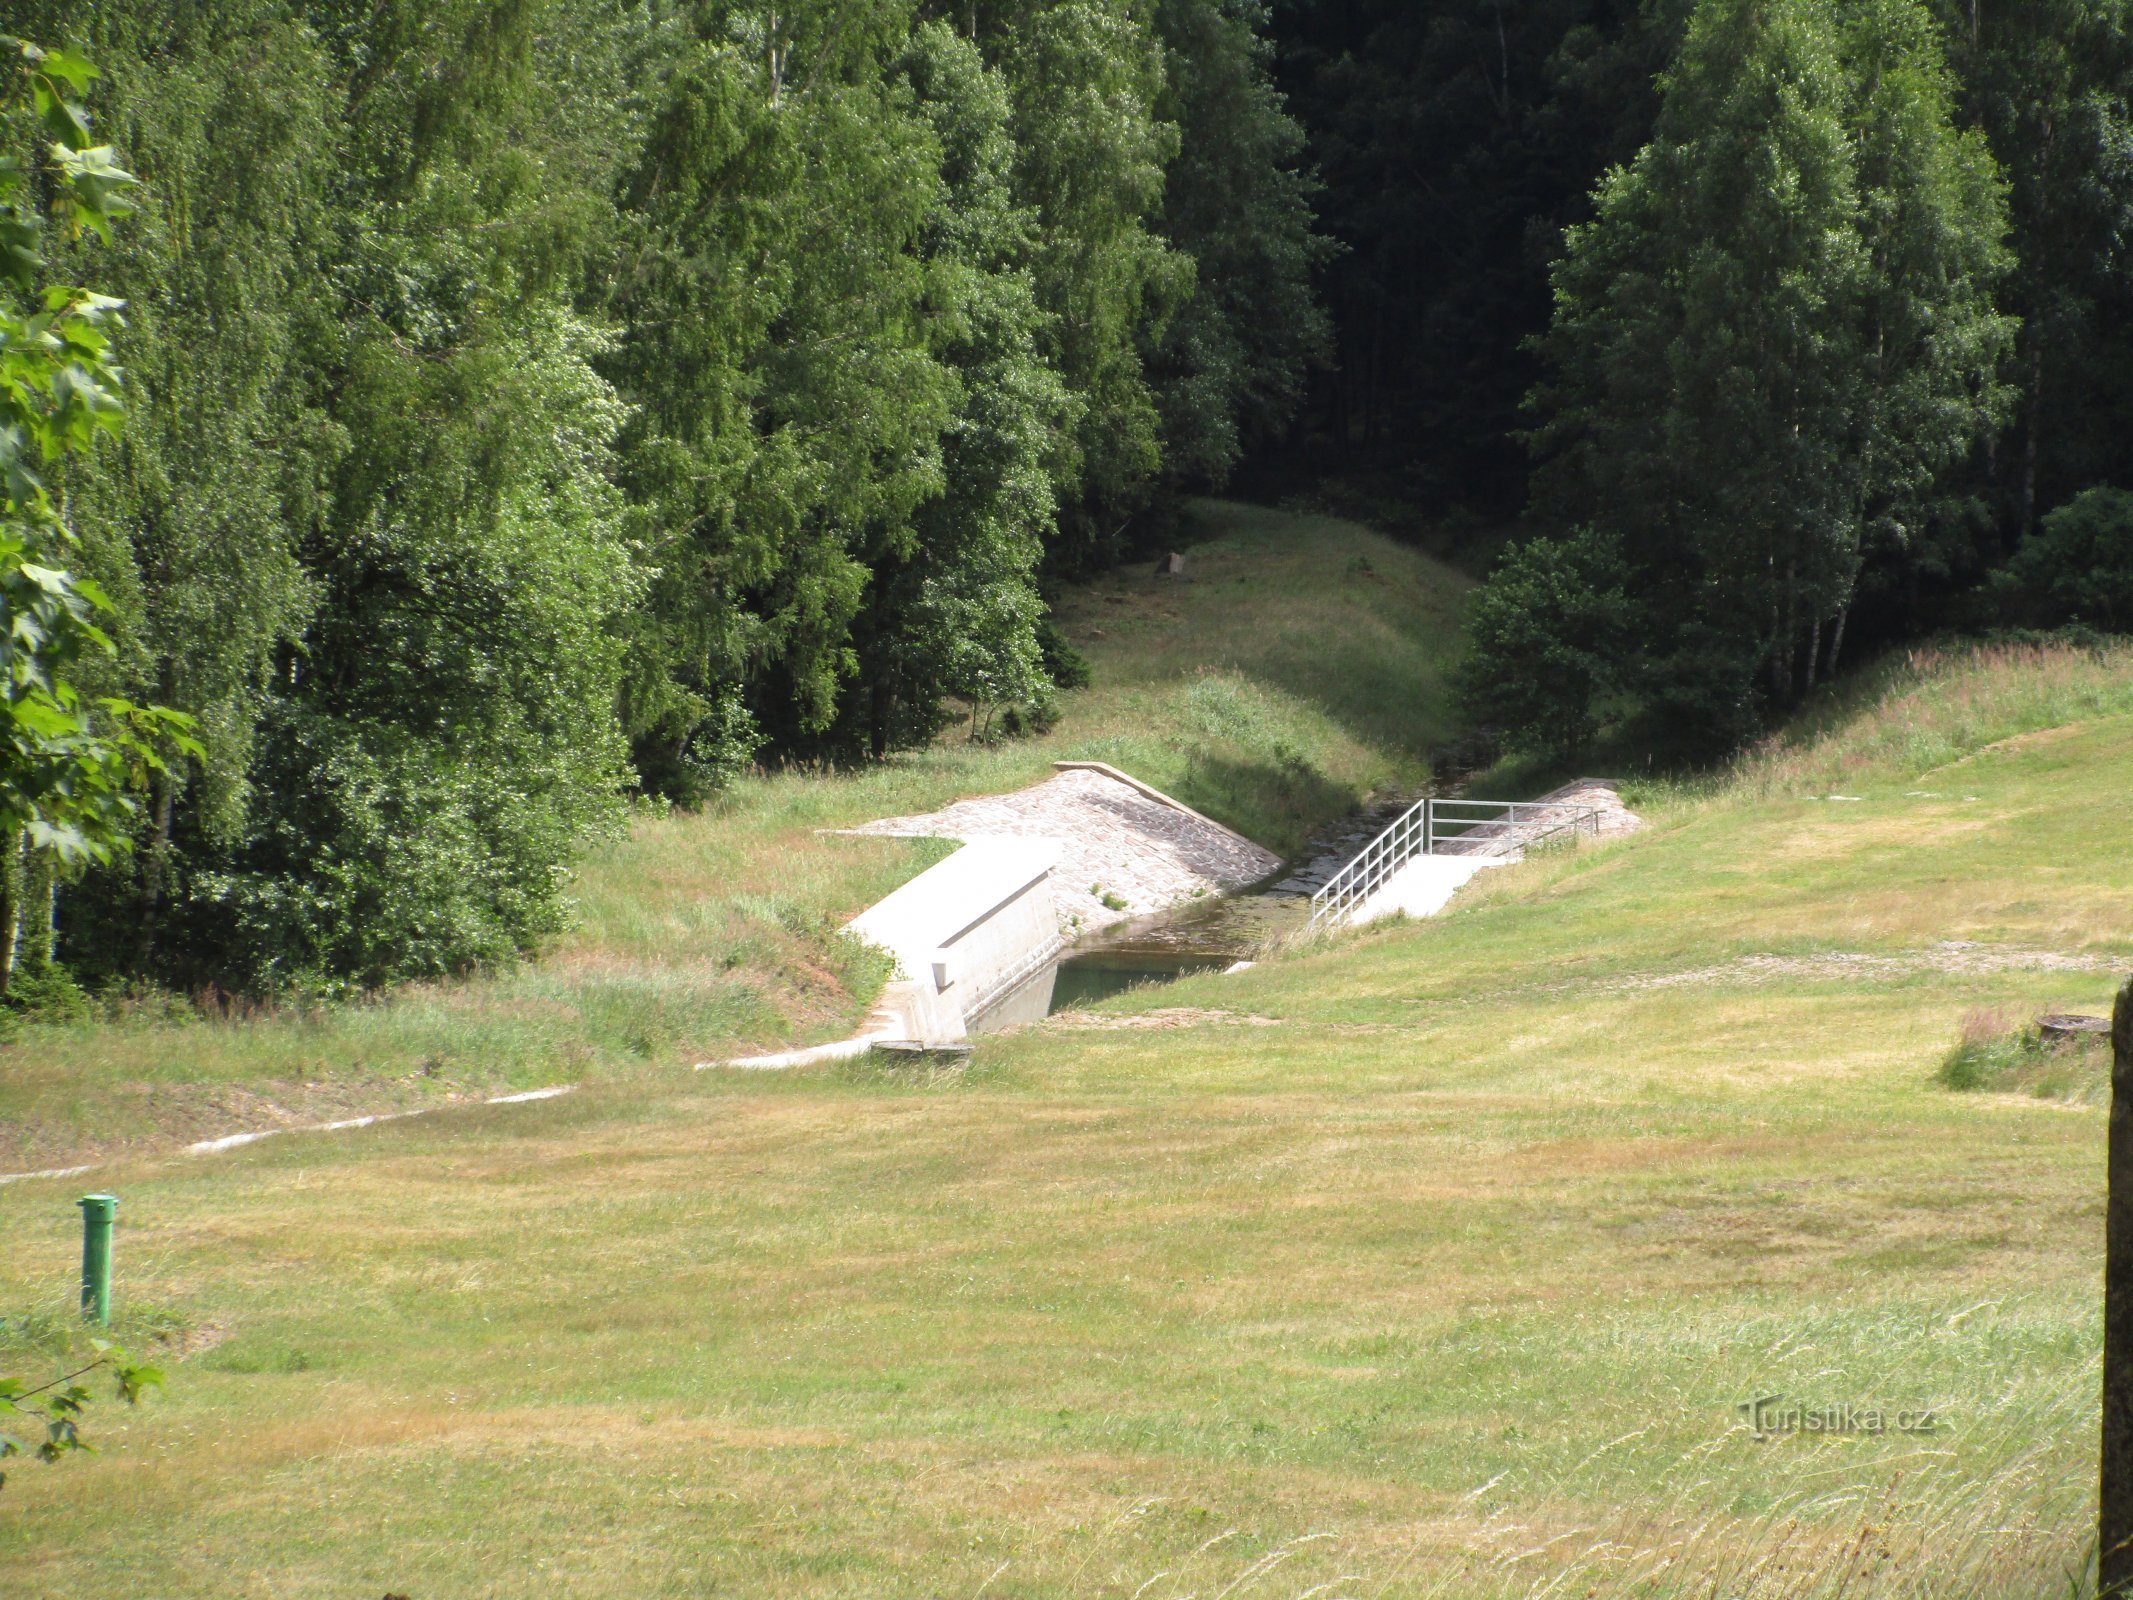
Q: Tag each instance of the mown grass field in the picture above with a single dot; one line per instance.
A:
(1432, 1262)
(1298, 670)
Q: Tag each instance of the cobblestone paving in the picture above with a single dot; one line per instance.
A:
(1600, 794)
(1338, 845)
(1120, 845)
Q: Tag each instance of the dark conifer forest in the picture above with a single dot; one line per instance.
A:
(1779, 329)
(519, 410)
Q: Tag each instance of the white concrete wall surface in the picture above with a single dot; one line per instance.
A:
(963, 927)
(1423, 887)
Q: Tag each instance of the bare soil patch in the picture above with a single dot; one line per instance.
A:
(1166, 1017)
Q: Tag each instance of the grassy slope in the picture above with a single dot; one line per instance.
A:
(1298, 670)
(1433, 1262)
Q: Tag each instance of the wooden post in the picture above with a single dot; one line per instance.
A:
(2114, 1492)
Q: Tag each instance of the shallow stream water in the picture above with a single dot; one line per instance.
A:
(1202, 936)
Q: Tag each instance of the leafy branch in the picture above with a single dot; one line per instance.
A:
(69, 766)
(59, 1404)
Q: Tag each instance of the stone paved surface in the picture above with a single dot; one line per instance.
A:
(1508, 838)
(1599, 793)
(1117, 841)
(1338, 845)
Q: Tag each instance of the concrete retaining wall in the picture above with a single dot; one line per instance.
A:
(965, 933)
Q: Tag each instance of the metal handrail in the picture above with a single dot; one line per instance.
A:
(1506, 827)
(1377, 861)
(1510, 829)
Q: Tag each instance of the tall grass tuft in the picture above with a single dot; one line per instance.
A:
(1989, 1046)
(1979, 1505)
(1996, 1053)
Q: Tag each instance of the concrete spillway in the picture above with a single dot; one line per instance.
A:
(966, 933)
(1423, 887)
(976, 937)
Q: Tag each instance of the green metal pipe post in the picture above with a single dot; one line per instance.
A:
(97, 1211)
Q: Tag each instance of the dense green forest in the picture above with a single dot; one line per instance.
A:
(482, 412)
(1784, 326)
(530, 403)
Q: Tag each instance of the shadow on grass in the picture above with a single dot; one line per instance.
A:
(1276, 803)
(1362, 628)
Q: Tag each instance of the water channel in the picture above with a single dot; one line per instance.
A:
(1206, 935)
(1203, 936)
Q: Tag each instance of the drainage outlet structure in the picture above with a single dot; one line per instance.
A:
(967, 934)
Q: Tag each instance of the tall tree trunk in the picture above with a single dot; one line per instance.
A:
(155, 867)
(1373, 371)
(2029, 437)
(1786, 643)
(10, 909)
(881, 703)
(1836, 641)
(1503, 77)
(1814, 650)
(40, 910)
(2114, 1493)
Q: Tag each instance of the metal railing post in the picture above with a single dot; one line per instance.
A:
(1500, 827)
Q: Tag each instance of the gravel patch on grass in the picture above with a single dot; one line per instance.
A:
(1166, 1017)
(1962, 956)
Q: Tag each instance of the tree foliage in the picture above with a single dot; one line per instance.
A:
(1775, 336)
(953, 611)
(535, 402)
(790, 410)
(1455, 141)
(1965, 172)
(2079, 567)
(1234, 358)
(57, 1405)
(1549, 635)
(2049, 84)
(1086, 79)
(70, 764)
